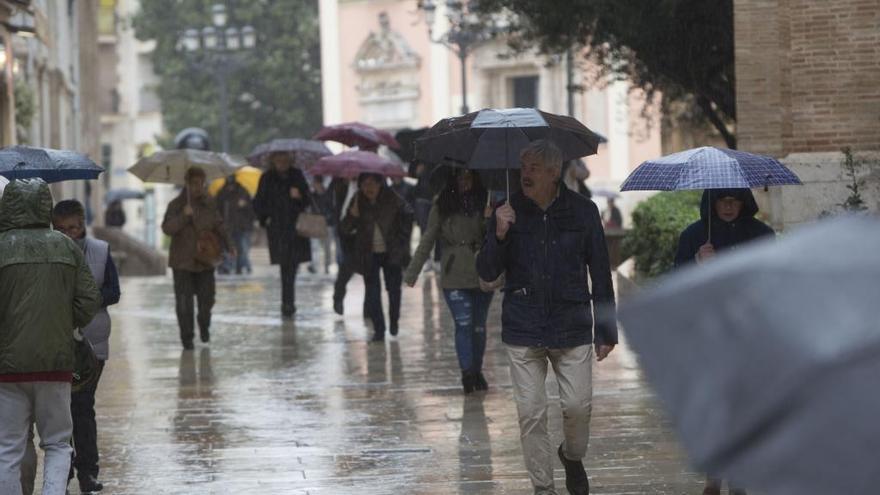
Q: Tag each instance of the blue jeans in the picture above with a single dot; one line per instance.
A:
(243, 245)
(470, 309)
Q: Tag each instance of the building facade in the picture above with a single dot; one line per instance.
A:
(806, 75)
(49, 96)
(130, 117)
(379, 66)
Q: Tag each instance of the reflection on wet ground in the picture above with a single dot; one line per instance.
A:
(309, 406)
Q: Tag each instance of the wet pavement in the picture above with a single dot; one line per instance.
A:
(309, 406)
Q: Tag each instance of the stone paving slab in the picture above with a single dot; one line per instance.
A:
(310, 407)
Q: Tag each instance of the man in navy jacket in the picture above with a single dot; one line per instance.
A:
(547, 240)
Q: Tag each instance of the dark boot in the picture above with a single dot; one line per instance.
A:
(713, 487)
(90, 484)
(288, 310)
(737, 491)
(468, 382)
(480, 382)
(576, 480)
(338, 307)
(205, 335)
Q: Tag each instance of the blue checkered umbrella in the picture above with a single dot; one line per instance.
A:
(708, 167)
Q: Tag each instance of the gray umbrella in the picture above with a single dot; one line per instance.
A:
(766, 359)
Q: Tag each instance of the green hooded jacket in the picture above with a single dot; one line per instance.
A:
(46, 288)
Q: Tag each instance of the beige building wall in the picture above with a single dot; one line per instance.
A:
(420, 83)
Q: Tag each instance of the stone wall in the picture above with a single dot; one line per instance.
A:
(807, 86)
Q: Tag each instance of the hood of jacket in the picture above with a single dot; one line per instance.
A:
(26, 203)
(749, 208)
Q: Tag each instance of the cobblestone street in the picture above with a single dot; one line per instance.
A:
(310, 406)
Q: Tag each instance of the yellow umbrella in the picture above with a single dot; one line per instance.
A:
(247, 176)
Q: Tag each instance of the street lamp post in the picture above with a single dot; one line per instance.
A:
(220, 51)
(466, 31)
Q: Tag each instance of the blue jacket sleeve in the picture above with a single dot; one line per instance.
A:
(604, 307)
(110, 290)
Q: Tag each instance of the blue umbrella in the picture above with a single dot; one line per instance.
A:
(121, 194)
(708, 167)
(25, 162)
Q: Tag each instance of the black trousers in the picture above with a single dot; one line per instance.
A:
(393, 275)
(288, 287)
(85, 430)
(186, 286)
(342, 278)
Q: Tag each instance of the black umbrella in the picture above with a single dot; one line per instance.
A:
(407, 151)
(491, 139)
(766, 359)
(25, 162)
(304, 152)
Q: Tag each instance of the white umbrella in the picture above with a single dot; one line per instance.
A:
(170, 166)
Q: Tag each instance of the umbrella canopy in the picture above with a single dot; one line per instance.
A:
(303, 152)
(170, 166)
(708, 167)
(122, 194)
(247, 176)
(605, 193)
(25, 162)
(350, 164)
(357, 134)
(767, 358)
(493, 138)
(407, 139)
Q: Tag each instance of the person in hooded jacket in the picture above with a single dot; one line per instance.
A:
(730, 224)
(46, 291)
(282, 195)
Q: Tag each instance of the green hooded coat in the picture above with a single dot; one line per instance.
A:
(46, 288)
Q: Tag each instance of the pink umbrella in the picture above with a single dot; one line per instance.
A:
(350, 164)
(357, 134)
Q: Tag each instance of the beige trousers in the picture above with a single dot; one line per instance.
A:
(528, 371)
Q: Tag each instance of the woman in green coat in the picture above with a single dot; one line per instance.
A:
(458, 221)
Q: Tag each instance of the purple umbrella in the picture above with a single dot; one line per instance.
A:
(303, 152)
(357, 134)
(350, 164)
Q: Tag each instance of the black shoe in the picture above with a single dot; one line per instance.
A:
(378, 337)
(468, 382)
(576, 479)
(338, 307)
(480, 382)
(90, 484)
(188, 345)
(393, 329)
(288, 311)
(205, 335)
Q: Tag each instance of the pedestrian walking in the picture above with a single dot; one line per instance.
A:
(282, 195)
(234, 204)
(458, 221)
(546, 240)
(612, 219)
(46, 291)
(198, 238)
(115, 214)
(727, 220)
(323, 204)
(342, 191)
(68, 217)
(381, 223)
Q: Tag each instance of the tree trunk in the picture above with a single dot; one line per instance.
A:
(712, 115)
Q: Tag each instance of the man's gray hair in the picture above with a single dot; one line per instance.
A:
(544, 151)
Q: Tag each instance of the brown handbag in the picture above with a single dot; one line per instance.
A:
(208, 250)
